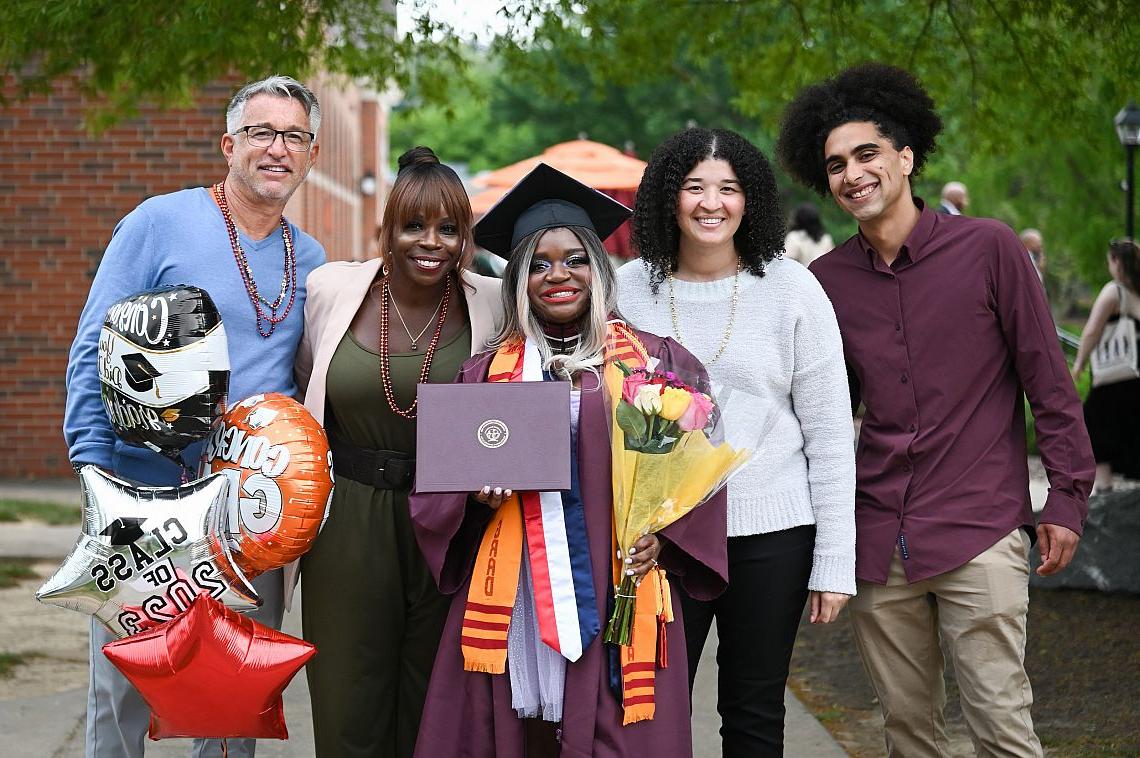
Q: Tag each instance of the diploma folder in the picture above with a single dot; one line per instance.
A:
(512, 435)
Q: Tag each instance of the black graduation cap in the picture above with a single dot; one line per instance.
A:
(140, 373)
(544, 199)
(125, 530)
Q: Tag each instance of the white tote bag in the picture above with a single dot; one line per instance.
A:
(1114, 357)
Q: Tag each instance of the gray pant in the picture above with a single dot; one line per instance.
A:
(117, 716)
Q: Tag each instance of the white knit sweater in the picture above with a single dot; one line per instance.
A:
(784, 348)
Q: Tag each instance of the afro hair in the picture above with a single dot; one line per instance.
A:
(888, 97)
(656, 236)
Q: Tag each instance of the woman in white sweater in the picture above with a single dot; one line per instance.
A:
(709, 228)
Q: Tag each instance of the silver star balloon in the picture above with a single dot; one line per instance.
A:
(145, 553)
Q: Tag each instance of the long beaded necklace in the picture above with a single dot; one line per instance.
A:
(385, 369)
(288, 278)
(731, 315)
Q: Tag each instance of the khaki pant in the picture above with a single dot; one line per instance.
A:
(977, 612)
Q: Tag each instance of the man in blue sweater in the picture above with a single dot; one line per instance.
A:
(232, 241)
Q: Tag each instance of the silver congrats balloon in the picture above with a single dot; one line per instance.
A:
(146, 552)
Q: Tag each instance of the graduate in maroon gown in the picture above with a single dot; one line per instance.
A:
(505, 683)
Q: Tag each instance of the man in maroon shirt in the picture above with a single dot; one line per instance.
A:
(944, 327)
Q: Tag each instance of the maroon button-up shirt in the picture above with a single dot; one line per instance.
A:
(939, 347)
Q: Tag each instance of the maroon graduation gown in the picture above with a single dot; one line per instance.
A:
(469, 714)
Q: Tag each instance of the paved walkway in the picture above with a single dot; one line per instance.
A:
(53, 725)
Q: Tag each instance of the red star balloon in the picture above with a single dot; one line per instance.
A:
(211, 672)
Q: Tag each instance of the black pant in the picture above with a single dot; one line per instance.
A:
(756, 621)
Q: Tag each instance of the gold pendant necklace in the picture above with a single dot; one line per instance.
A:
(415, 339)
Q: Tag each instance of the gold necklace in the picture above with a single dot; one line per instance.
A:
(425, 368)
(731, 315)
(416, 339)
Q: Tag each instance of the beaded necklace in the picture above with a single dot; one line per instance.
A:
(731, 315)
(385, 369)
(288, 278)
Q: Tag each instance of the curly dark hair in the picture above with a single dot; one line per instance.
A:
(890, 98)
(805, 217)
(655, 234)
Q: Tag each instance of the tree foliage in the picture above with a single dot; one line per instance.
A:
(1028, 90)
(502, 116)
(130, 51)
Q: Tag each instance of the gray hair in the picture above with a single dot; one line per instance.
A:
(278, 86)
(519, 318)
(951, 188)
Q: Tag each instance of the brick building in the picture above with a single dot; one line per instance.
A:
(62, 191)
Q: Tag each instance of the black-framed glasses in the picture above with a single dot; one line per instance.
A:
(263, 136)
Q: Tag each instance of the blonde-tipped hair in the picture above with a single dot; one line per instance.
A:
(520, 321)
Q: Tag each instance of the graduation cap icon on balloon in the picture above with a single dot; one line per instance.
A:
(124, 531)
(139, 372)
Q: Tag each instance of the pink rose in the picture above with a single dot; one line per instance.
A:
(631, 384)
(697, 414)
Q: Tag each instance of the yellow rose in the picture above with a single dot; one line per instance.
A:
(674, 402)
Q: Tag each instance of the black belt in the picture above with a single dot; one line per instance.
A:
(382, 469)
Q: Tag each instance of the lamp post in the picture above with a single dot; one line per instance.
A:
(1128, 130)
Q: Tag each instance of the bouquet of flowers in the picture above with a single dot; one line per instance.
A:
(669, 455)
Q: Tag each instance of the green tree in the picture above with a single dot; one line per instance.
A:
(129, 51)
(1027, 89)
(506, 113)
(463, 129)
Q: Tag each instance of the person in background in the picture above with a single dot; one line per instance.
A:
(373, 330)
(1112, 411)
(1034, 243)
(807, 239)
(232, 241)
(945, 326)
(709, 228)
(955, 199)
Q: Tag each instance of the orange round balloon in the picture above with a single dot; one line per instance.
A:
(278, 462)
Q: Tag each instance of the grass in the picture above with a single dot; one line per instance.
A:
(15, 570)
(1087, 746)
(49, 513)
(830, 714)
(9, 662)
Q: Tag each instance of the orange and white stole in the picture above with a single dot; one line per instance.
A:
(653, 609)
(557, 551)
(495, 580)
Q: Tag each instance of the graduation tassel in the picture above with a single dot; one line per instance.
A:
(662, 644)
(664, 616)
